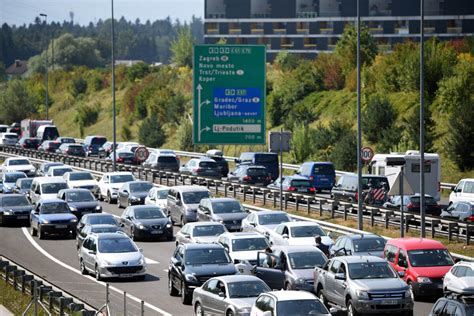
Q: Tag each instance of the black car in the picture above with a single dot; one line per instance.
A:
(133, 192)
(217, 156)
(95, 219)
(29, 142)
(92, 144)
(162, 161)
(411, 203)
(125, 157)
(146, 221)
(14, 208)
(80, 201)
(248, 174)
(23, 186)
(461, 211)
(71, 150)
(193, 264)
(97, 229)
(453, 305)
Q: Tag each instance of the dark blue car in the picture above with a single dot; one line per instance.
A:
(321, 174)
(52, 216)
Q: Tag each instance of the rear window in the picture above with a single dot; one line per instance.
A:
(428, 200)
(208, 164)
(98, 141)
(54, 145)
(167, 159)
(323, 169)
(300, 183)
(375, 182)
(125, 155)
(266, 159)
(10, 136)
(256, 172)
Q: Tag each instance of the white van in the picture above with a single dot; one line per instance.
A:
(8, 139)
(462, 192)
(46, 188)
(378, 166)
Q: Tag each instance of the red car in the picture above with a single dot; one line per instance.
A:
(424, 262)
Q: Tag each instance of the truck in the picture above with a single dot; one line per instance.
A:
(43, 129)
(378, 166)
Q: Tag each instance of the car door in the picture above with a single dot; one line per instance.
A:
(175, 267)
(248, 224)
(127, 221)
(216, 298)
(330, 280)
(208, 291)
(275, 237)
(269, 270)
(203, 211)
(401, 263)
(36, 193)
(34, 218)
(88, 255)
(340, 285)
(123, 194)
(103, 185)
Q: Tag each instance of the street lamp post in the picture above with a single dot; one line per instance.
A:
(114, 159)
(422, 121)
(46, 67)
(360, 218)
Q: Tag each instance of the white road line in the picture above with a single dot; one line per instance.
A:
(64, 265)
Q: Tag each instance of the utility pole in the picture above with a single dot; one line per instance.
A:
(422, 120)
(46, 67)
(360, 215)
(114, 159)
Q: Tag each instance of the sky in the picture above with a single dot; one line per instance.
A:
(85, 11)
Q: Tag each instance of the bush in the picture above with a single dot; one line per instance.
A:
(377, 117)
(126, 132)
(151, 133)
(78, 86)
(184, 135)
(301, 143)
(86, 116)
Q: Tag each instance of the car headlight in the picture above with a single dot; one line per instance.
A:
(98, 208)
(362, 294)
(423, 280)
(191, 278)
(408, 293)
(134, 198)
(44, 221)
(73, 220)
(244, 310)
(300, 281)
(32, 170)
(168, 225)
(73, 208)
(141, 261)
(141, 226)
(10, 212)
(106, 263)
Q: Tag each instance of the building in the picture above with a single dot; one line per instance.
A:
(308, 27)
(17, 69)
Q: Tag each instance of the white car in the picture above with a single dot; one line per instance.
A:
(8, 139)
(463, 192)
(19, 164)
(264, 221)
(200, 232)
(81, 180)
(298, 234)
(460, 279)
(110, 184)
(158, 196)
(58, 171)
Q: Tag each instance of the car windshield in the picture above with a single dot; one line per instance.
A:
(430, 258)
(369, 244)
(95, 220)
(12, 177)
(207, 164)
(266, 158)
(109, 229)
(15, 201)
(149, 213)
(306, 260)
(225, 207)
(140, 187)
(208, 230)
(52, 188)
(206, 256)
(165, 159)
(256, 172)
(78, 176)
(249, 244)
(18, 162)
(194, 197)
(57, 172)
(98, 141)
(48, 166)
(273, 219)
(370, 270)
(301, 183)
(54, 208)
(162, 194)
(307, 231)
(79, 196)
(121, 178)
(247, 289)
(116, 245)
(26, 184)
(301, 307)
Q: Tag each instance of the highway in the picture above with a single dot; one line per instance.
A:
(55, 260)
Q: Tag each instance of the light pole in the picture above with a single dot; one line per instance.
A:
(360, 218)
(46, 66)
(114, 145)
(422, 120)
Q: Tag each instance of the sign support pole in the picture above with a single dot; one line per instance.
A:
(281, 169)
(402, 220)
(360, 218)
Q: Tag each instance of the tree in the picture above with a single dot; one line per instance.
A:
(182, 48)
(184, 135)
(16, 102)
(287, 61)
(151, 133)
(377, 117)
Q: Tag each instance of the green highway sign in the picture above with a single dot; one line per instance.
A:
(229, 94)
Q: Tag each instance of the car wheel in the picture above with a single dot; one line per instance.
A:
(198, 310)
(229, 313)
(182, 223)
(82, 267)
(40, 232)
(132, 234)
(118, 203)
(32, 230)
(322, 298)
(169, 238)
(351, 311)
(171, 289)
(97, 273)
(410, 285)
(109, 198)
(185, 297)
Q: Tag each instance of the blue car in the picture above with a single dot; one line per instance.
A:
(52, 216)
(321, 174)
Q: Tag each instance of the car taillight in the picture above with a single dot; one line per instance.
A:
(470, 219)
(246, 178)
(119, 159)
(197, 170)
(311, 178)
(269, 178)
(291, 189)
(410, 205)
(312, 190)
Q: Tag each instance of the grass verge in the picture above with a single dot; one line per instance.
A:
(15, 301)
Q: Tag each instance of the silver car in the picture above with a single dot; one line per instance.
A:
(265, 221)
(228, 295)
(200, 232)
(109, 255)
(460, 279)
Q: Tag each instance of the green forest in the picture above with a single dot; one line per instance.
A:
(315, 99)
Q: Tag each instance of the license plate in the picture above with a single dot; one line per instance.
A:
(389, 302)
(60, 226)
(125, 275)
(302, 190)
(22, 217)
(235, 227)
(156, 232)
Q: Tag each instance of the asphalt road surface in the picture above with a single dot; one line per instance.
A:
(55, 259)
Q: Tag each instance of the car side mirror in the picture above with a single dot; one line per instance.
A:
(333, 311)
(453, 189)
(221, 294)
(253, 224)
(178, 264)
(401, 274)
(331, 235)
(140, 249)
(340, 276)
(284, 236)
(179, 203)
(92, 252)
(236, 261)
(298, 172)
(125, 191)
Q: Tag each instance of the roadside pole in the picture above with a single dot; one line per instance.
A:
(422, 121)
(360, 218)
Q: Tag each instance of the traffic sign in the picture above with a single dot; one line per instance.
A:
(229, 94)
(141, 154)
(366, 154)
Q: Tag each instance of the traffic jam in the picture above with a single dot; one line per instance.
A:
(227, 259)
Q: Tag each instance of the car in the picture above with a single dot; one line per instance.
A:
(183, 202)
(411, 203)
(289, 267)
(92, 144)
(363, 285)
(267, 160)
(58, 171)
(250, 174)
(110, 183)
(298, 234)
(8, 139)
(122, 156)
(227, 211)
(460, 279)
(29, 143)
(193, 264)
(424, 263)
(49, 146)
(282, 303)
(293, 184)
(133, 193)
(44, 167)
(92, 220)
(52, 216)
(201, 167)
(217, 156)
(80, 201)
(321, 174)
(264, 221)
(106, 149)
(14, 209)
(19, 164)
(146, 222)
(81, 180)
(228, 295)
(76, 150)
(4, 128)
(122, 145)
(461, 211)
(97, 229)
(23, 185)
(9, 179)
(164, 161)
(66, 140)
(463, 191)
(157, 196)
(111, 255)
(243, 247)
(346, 187)
(359, 245)
(453, 305)
(46, 188)
(200, 232)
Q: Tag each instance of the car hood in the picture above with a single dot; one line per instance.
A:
(9, 184)
(132, 258)
(306, 274)
(49, 196)
(301, 241)
(116, 186)
(83, 204)
(191, 206)
(59, 216)
(206, 239)
(267, 228)
(430, 272)
(19, 168)
(81, 183)
(245, 255)
(211, 269)
(242, 302)
(392, 284)
(466, 284)
(154, 221)
(231, 216)
(17, 208)
(370, 253)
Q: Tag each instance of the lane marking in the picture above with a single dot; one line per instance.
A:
(66, 266)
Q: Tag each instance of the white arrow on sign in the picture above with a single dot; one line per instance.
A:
(200, 104)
